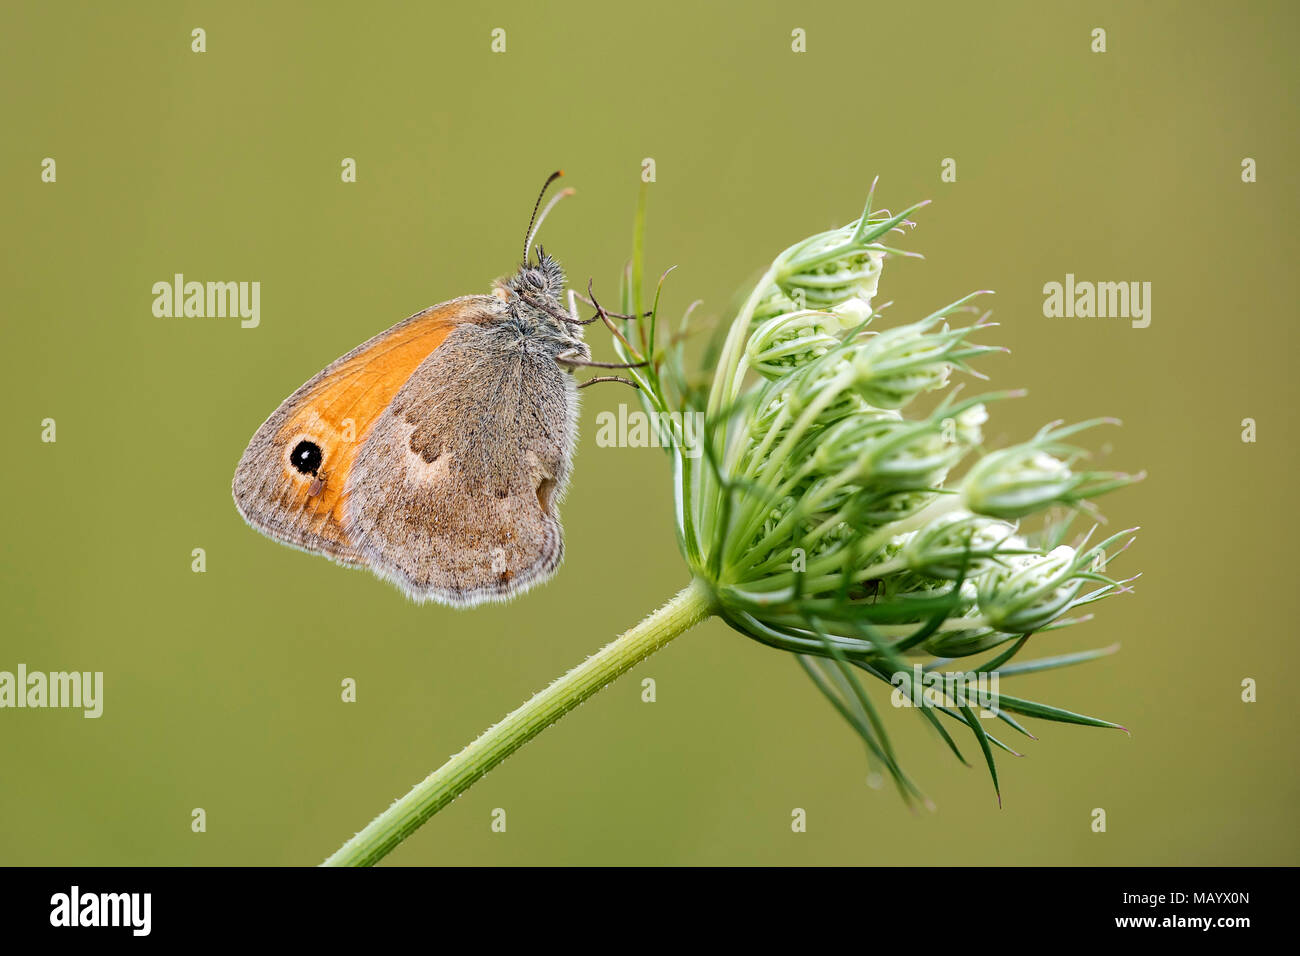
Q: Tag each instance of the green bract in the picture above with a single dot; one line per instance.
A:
(833, 516)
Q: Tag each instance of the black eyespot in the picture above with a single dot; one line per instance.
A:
(306, 457)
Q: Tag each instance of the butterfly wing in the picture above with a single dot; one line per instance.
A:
(453, 494)
(335, 411)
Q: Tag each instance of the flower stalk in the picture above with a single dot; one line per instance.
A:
(688, 608)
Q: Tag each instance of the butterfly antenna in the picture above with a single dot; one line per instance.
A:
(534, 223)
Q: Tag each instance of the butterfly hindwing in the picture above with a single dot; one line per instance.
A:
(453, 494)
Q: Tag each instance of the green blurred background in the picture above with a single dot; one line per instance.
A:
(223, 688)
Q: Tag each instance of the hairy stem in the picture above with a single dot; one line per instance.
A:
(689, 607)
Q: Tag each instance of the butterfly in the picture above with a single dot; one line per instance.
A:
(436, 453)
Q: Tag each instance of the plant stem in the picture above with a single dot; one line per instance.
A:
(689, 607)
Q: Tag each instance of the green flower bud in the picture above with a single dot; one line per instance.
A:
(961, 545)
(896, 365)
(1024, 479)
(819, 281)
(889, 454)
(788, 341)
(1032, 592)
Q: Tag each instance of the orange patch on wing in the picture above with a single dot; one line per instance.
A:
(359, 387)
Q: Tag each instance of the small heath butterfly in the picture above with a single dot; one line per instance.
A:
(435, 453)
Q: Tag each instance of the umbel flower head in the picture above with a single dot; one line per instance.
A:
(844, 507)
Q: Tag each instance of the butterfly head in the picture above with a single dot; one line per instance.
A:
(534, 299)
(535, 292)
(540, 279)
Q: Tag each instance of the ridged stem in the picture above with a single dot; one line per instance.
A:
(690, 606)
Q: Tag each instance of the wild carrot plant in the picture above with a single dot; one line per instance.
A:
(843, 508)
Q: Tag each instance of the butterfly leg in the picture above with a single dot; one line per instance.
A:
(608, 378)
(575, 360)
(590, 299)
